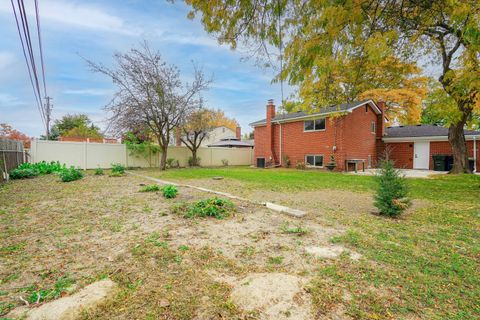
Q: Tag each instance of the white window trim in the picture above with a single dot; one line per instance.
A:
(314, 125)
(314, 155)
(374, 127)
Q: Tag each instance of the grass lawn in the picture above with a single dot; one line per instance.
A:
(57, 237)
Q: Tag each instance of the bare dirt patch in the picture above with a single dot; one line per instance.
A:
(273, 296)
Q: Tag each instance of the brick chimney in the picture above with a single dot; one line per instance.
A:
(269, 142)
(238, 133)
(178, 135)
(381, 119)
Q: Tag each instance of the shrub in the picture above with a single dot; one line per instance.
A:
(99, 172)
(117, 168)
(70, 174)
(225, 162)
(300, 165)
(169, 191)
(150, 188)
(172, 163)
(23, 173)
(193, 163)
(212, 207)
(391, 198)
(43, 167)
(286, 161)
(115, 174)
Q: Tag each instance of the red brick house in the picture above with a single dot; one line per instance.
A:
(351, 132)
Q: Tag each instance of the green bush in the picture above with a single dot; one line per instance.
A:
(70, 174)
(118, 168)
(43, 167)
(391, 198)
(150, 188)
(23, 173)
(169, 191)
(193, 163)
(115, 174)
(99, 172)
(172, 163)
(212, 207)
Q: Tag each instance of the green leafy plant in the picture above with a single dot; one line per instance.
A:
(23, 173)
(169, 191)
(150, 188)
(172, 163)
(285, 227)
(225, 162)
(391, 198)
(118, 168)
(40, 295)
(99, 172)
(70, 174)
(115, 174)
(194, 162)
(212, 207)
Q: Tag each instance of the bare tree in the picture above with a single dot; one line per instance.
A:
(150, 94)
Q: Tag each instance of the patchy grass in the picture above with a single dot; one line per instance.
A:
(56, 238)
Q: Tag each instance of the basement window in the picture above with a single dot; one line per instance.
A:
(314, 125)
(314, 160)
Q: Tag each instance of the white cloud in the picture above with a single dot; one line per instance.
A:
(77, 15)
(6, 59)
(8, 100)
(89, 92)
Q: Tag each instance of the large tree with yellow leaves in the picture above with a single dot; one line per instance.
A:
(336, 51)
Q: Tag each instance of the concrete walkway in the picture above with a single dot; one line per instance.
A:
(408, 173)
(272, 206)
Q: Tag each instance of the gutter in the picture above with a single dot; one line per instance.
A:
(475, 169)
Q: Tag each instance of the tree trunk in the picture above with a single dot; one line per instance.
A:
(456, 138)
(163, 158)
(194, 157)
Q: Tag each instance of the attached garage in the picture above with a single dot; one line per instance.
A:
(415, 147)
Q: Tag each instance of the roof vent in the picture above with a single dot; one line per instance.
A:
(270, 101)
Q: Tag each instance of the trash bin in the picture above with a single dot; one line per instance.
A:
(471, 164)
(439, 162)
(448, 163)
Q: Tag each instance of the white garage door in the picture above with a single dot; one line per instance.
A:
(421, 155)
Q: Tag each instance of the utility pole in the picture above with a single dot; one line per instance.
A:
(48, 109)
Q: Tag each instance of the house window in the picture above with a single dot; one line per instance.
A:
(313, 160)
(373, 127)
(314, 125)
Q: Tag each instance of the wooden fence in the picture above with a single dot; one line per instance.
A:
(12, 155)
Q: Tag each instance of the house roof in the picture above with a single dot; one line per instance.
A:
(421, 130)
(348, 107)
(232, 143)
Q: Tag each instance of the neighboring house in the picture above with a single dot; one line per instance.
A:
(354, 133)
(232, 142)
(90, 140)
(215, 135)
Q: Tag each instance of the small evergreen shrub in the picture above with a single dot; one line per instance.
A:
(212, 207)
(300, 165)
(169, 191)
(23, 173)
(150, 188)
(391, 198)
(70, 174)
(99, 172)
(118, 168)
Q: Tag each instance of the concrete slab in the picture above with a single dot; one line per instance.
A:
(408, 173)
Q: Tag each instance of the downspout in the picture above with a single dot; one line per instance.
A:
(475, 154)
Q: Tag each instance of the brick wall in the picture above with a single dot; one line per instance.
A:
(402, 152)
(351, 134)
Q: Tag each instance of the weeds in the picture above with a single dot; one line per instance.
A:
(70, 174)
(99, 172)
(117, 168)
(212, 207)
(31, 170)
(169, 191)
(150, 188)
(285, 228)
(62, 285)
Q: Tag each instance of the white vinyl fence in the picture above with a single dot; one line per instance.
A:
(101, 155)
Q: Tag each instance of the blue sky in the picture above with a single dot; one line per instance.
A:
(95, 30)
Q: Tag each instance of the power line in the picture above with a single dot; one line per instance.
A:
(37, 16)
(37, 98)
